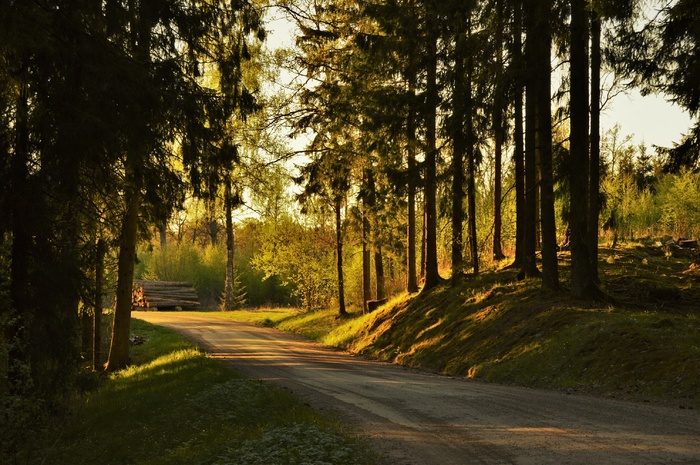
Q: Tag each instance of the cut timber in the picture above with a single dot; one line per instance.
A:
(164, 294)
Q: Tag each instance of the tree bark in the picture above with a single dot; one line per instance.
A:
(379, 271)
(339, 258)
(518, 149)
(594, 168)
(411, 277)
(119, 347)
(529, 265)
(459, 149)
(21, 237)
(578, 180)
(100, 251)
(366, 257)
(498, 109)
(229, 302)
(471, 163)
(550, 270)
(432, 277)
(118, 357)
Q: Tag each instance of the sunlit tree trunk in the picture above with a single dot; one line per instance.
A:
(119, 347)
(366, 260)
(118, 357)
(459, 149)
(498, 110)
(411, 275)
(432, 277)
(471, 163)
(518, 149)
(229, 302)
(379, 271)
(339, 258)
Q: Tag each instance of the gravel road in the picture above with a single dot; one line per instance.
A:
(417, 418)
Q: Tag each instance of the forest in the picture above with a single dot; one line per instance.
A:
(392, 146)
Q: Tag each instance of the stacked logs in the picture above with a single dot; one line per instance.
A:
(164, 295)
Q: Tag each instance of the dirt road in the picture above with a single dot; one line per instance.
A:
(423, 419)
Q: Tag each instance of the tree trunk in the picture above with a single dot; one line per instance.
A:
(518, 150)
(119, 347)
(432, 277)
(366, 260)
(498, 110)
(423, 236)
(594, 167)
(229, 302)
(529, 265)
(21, 237)
(100, 251)
(411, 277)
(339, 258)
(118, 357)
(578, 179)
(550, 270)
(471, 162)
(459, 150)
(379, 271)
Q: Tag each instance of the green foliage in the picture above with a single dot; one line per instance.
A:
(301, 256)
(679, 201)
(238, 295)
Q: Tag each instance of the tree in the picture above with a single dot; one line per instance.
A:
(518, 70)
(659, 54)
(432, 276)
(499, 108)
(582, 282)
(167, 103)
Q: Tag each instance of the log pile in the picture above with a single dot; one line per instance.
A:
(164, 295)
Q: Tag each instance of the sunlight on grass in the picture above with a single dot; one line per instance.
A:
(646, 345)
(184, 407)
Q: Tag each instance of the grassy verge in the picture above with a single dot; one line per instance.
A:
(178, 406)
(645, 345)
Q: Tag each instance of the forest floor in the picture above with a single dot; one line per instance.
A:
(642, 343)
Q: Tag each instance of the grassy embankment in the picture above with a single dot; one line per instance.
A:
(178, 406)
(643, 345)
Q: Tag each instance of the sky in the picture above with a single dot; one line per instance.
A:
(651, 120)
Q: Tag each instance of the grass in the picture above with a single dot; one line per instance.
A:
(643, 344)
(178, 406)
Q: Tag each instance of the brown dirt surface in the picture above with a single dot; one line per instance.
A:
(417, 418)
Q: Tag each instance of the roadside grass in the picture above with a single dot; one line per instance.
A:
(642, 344)
(176, 405)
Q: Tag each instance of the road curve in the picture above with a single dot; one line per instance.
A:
(423, 419)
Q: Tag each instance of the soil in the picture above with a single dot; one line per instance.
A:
(417, 418)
